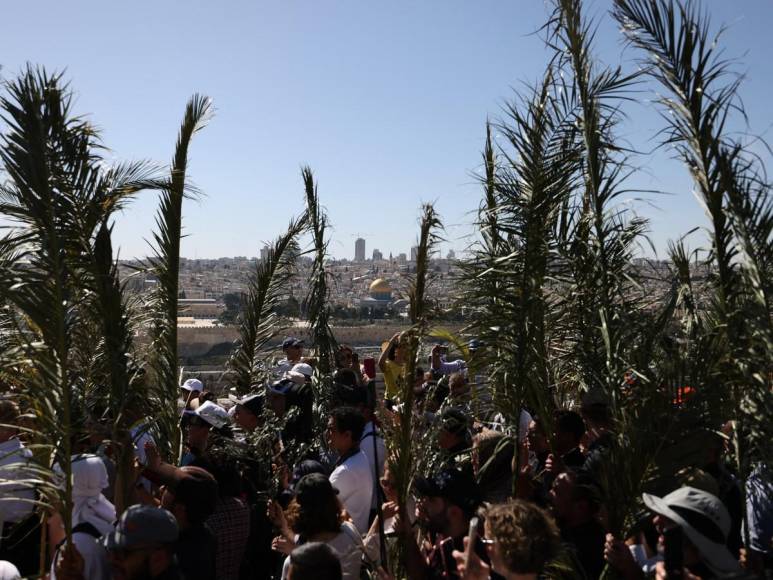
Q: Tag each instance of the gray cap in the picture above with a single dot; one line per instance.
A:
(142, 526)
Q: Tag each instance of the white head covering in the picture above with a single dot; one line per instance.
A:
(89, 478)
(8, 571)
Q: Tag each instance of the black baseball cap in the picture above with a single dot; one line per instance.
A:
(454, 421)
(456, 487)
(252, 402)
(291, 341)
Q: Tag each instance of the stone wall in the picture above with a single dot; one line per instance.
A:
(198, 341)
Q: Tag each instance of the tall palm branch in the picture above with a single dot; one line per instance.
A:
(700, 101)
(57, 195)
(259, 322)
(400, 440)
(165, 265)
(316, 304)
(601, 239)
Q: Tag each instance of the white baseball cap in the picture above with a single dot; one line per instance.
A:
(213, 414)
(193, 385)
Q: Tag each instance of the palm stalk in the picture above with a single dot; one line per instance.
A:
(165, 265)
(401, 440)
(316, 304)
(265, 289)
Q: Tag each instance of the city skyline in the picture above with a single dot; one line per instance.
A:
(397, 118)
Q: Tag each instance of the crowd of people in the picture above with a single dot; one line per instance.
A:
(491, 504)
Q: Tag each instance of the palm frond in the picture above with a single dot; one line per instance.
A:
(165, 265)
(316, 305)
(265, 289)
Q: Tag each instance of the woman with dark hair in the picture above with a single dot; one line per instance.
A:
(316, 515)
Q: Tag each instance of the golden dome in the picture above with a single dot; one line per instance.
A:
(380, 286)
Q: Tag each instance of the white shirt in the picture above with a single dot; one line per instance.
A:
(347, 546)
(366, 446)
(354, 481)
(96, 565)
(15, 498)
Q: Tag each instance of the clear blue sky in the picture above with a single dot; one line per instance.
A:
(386, 101)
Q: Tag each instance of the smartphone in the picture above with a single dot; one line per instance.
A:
(369, 366)
(673, 552)
(472, 536)
(447, 552)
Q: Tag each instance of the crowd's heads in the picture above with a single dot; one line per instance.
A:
(292, 347)
(248, 411)
(524, 538)
(595, 409)
(454, 429)
(569, 429)
(344, 429)
(191, 387)
(576, 496)
(704, 522)
(344, 356)
(190, 494)
(345, 377)
(304, 468)
(142, 544)
(457, 385)
(536, 439)
(350, 395)
(396, 349)
(207, 416)
(300, 374)
(315, 508)
(492, 455)
(9, 418)
(314, 561)
(89, 475)
(450, 496)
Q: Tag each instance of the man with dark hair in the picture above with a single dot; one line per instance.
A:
(372, 442)
(293, 350)
(286, 394)
(455, 440)
(190, 494)
(576, 499)
(143, 545)
(569, 429)
(314, 561)
(352, 475)
(248, 411)
(446, 503)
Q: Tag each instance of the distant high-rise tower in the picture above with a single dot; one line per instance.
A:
(451, 255)
(414, 253)
(359, 250)
(377, 255)
(264, 253)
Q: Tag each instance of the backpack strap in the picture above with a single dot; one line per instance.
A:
(87, 528)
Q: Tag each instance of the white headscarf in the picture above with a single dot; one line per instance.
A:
(89, 478)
